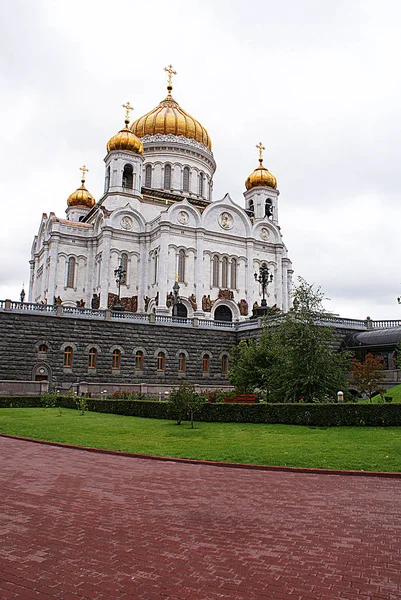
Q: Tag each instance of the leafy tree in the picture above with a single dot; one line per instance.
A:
(368, 374)
(185, 402)
(294, 359)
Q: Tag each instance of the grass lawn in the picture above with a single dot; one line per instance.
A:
(394, 392)
(367, 448)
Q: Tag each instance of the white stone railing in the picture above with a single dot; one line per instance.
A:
(110, 315)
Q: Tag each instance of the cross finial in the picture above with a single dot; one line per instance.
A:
(128, 109)
(170, 72)
(84, 172)
(260, 147)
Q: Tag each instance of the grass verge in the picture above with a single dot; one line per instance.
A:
(359, 448)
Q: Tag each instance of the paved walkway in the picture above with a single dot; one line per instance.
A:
(75, 524)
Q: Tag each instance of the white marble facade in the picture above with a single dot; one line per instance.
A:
(157, 216)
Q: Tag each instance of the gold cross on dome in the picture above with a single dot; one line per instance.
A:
(260, 147)
(128, 109)
(170, 72)
(84, 172)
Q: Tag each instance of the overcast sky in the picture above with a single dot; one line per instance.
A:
(317, 81)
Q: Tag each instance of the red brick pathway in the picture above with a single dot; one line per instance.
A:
(77, 525)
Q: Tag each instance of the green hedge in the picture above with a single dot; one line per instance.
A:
(319, 415)
(20, 401)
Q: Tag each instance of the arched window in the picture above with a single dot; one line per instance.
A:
(128, 176)
(107, 180)
(68, 357)
(181, 265)
(206, 363)
(201, 184)
(116, 358)
(268, 208)
(185, 179)
(167, 177)
(181, 362)
(224, 364)
(156, 266)
(43, 348)
(234, 274)
(139, 360)
(224, 272)
(124, 263)
(251, 208)
(92, 358)
(71, 272)
(160, 361)
(148, 176)
(215, 278)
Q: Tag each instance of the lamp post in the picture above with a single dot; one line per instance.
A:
(264, 279)
(120, 277)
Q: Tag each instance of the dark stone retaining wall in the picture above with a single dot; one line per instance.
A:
(21, 334)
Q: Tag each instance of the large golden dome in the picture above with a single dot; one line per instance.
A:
(168, 118)
(81, 196)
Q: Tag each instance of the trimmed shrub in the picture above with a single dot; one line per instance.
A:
(317, 415)
(20, 401)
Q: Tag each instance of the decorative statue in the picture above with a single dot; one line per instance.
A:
(112, 300)
(169, 299)
(192, 300)
(226, 294)
(81, 303)
(243, 307)
(207, 303)
(147, 300)
(57, 301)
(255, 305)
(95, 302)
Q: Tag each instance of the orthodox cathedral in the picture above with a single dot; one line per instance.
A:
(157, 225)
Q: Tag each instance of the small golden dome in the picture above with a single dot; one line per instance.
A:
(125, 140)
(81, 196)
(261, 177)
(168, 118)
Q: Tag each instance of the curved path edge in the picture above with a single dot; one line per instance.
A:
(212, 463)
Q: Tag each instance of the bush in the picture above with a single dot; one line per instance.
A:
(317, 415)
(20, 402)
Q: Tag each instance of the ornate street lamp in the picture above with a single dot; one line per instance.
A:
(264, 279)
(120, 276)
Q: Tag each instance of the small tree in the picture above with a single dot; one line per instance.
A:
(184, 402)
(294, 357)
(367, 375)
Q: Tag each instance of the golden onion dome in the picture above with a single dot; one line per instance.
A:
(168, 118)
(125, 140)
(81, 196)
(261, 177)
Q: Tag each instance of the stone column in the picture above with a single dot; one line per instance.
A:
(200, 275)
(250, 284)
(285, 289)
(278, 283)
(53, 268)
(104, 269)
(162, 275)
